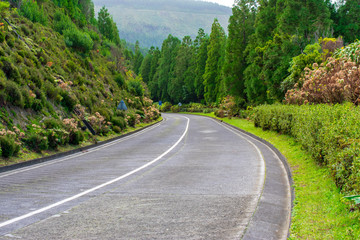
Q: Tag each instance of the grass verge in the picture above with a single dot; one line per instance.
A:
(320, 211)
(29, 155)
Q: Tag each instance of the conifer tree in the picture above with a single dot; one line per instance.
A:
(212, 75)
(201, 44)
(138, 58)
(241, 27)
(265, 24)
(166, 67)
(181, 87)
(348, 23)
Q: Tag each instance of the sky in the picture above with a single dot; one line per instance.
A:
(227, 3)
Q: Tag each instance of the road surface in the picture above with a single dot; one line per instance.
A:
(188, 177)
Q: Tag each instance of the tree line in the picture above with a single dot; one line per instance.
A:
(269, 44)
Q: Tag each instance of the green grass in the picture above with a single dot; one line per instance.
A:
(320, 211)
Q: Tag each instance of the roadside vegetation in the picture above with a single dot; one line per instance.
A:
(320, 209)
(59, 66)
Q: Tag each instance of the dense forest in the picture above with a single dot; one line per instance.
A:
(269, 44)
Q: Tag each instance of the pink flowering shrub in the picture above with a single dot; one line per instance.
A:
(100, 125)
(336, 82)
(9, 144)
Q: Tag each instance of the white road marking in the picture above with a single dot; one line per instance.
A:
(79, 154)
(30, 214)
(284, 234)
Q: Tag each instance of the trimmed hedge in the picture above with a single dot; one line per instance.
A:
(331, 134)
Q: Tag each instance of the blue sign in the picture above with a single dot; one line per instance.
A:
(122, 106)
(160, 103)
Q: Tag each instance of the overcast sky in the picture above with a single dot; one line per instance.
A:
(227, 3)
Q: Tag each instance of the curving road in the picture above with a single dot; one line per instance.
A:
(189, 177)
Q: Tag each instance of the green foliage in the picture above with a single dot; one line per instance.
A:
(349, 52)
(120, 80)
(241, 27)
(135, 87)
(212, 77)
(312, 54)
(62, 22)
(9, 147)
(328, 133)
(76, 137)
(80, 41)
(175, 108)
(118, 122)
(107, 26)
(166, 107)
(51, 123)
(346, 24)
(14, 95)
(37, 105)
(4, 6)
(68, 100)
(36, 142)
(31, 10)
(10, 70)
(131, 118)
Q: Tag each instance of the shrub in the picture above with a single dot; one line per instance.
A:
(120, 80)
(118, 122)
(76, 137)
(135, 87)
(78, 40)
(62, 22)
(52, 123)
(37, 105)
(31, 10)
(36, 142)
(68, 101)
(131, 119)
(220, 113)
(329, 133)
(116, 129)
(175, 108)
(166, 107)
(56, 137)
(51, 91)
(14, 95)
(9, 147)
(10, 70)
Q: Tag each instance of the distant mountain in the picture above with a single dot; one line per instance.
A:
(151, 21)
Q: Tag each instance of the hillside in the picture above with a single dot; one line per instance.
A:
(151, 21)
(56, 69)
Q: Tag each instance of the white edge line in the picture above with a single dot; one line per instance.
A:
(11, 221)
(66, 158)
(281, 164)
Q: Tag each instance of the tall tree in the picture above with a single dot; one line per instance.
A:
(307, 19)
(241, 27)
(265, 24)
(181, 87)
(138, 58)
(212, 76)
(107, 26)
(348, 23)
(166, 67)
(201, 44)
(145, 68)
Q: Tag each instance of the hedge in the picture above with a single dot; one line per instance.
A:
(331, 133)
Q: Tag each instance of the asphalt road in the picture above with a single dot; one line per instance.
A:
(189, 177)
